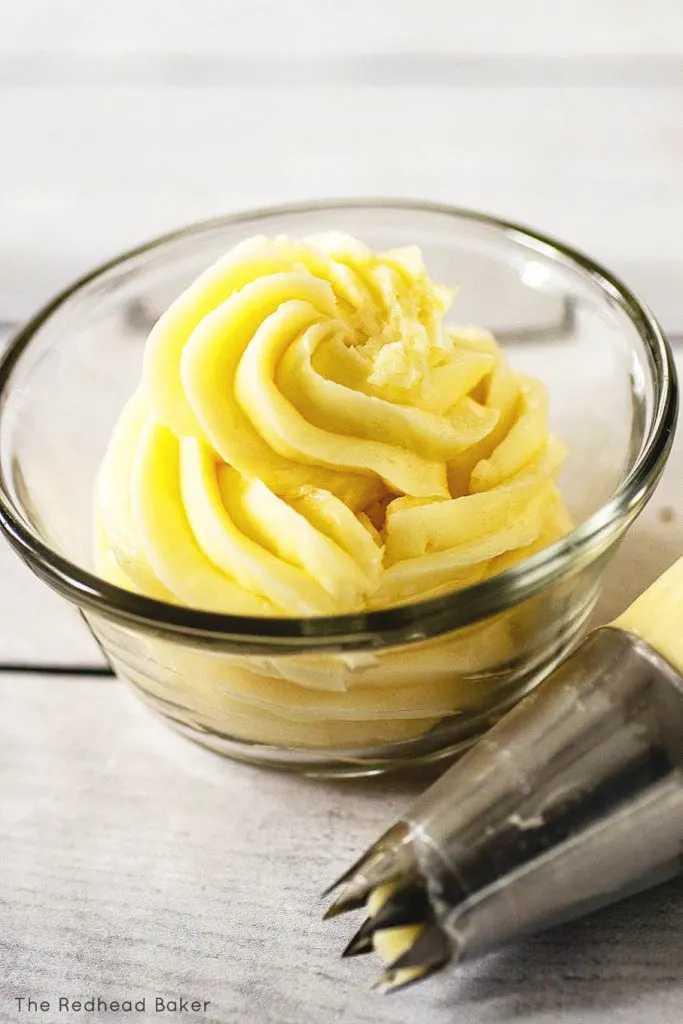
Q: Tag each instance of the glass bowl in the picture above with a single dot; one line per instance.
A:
(360, 693)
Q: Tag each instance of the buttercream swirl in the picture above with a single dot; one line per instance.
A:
(310, 438)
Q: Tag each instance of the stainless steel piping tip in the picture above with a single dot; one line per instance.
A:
(572, 801)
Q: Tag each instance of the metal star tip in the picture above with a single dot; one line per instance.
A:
(346, 901)
(393, 981)
(388, 859)
(408, 905)
(430, 950)
(376, 862)
(405, 905)
(581, 781)
(361, 941)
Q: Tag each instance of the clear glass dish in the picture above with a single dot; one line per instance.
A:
(360, 693)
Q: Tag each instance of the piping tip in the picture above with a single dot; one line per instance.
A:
(346, 901)
(387, 842)
(572, 801)
(393, 980)
(361, 941)
(407, 905)
(411, 950)
(430, 950)
(354, 869)
(389, 858)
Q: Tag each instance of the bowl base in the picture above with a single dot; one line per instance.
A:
(446, 741)
(310, 765)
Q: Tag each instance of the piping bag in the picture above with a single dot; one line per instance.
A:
(572, 801)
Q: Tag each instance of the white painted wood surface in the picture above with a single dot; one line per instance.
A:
(135, 864)
(301, 27)
(131, 862)
(100, 168)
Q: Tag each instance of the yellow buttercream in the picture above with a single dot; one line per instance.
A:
(295, 385)
(310, 437)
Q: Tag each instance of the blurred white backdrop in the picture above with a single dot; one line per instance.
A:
(120, 120)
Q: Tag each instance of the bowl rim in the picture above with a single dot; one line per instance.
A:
(404, 623)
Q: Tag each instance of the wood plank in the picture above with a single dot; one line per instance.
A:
(304, 27)
(111, 166)
(114, 887)
(442, 69)
(36, 626)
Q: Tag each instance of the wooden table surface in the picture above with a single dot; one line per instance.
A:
(132, 864)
